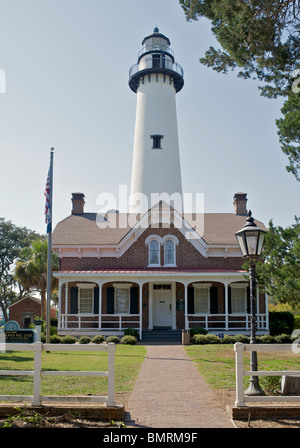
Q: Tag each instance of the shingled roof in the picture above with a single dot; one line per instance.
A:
(219, 229)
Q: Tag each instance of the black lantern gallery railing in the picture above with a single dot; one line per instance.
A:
(162, 65)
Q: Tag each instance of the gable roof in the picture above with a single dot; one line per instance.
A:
(218, 229)
(34, 299)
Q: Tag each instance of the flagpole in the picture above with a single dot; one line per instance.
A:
(49, 254)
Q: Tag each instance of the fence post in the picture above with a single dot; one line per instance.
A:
(111, 348)
(37, 348)
(240, 399)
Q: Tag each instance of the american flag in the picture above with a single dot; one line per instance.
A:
(48, 203)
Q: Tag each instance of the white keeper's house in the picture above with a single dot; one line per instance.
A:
(156, 268)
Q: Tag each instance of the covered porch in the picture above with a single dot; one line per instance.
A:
(109, 301)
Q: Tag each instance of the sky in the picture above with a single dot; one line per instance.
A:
(66, 65)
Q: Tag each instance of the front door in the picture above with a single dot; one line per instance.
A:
(162, 306)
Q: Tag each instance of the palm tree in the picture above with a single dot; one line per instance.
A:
(31, 270)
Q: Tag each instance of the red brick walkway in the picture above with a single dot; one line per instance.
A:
(170, 393)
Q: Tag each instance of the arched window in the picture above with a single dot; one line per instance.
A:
(170, 242)
(169, 253)
(154, 253)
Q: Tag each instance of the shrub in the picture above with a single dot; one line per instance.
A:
(242, 338)
(296, 322)
(53, 321)
(128, 339)
(205, 339)
(68, 340)
(114, 339)
(228, 339)
(53, 330)
(198, 330)
(98, 339)
(266, 339)
(281, 322)
(213, 339)
(131, 332)
(283, 339)
(84, 340)
(54, 339)
(198, 339)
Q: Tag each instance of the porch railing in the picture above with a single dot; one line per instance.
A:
(226, 321)
(89, 322)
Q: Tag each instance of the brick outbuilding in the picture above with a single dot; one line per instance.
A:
(25, 310)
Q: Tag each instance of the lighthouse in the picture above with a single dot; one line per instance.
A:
(155, 78)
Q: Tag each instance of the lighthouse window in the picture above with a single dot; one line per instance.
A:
(156, 141)
(156, 61)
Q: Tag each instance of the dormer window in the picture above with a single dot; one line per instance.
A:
(156, 141)
(154, 253)
(169, 254)
(169, 243)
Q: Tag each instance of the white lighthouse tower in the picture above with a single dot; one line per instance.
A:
(155, 78)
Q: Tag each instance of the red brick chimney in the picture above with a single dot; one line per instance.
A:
(78, 203)
(240, 203)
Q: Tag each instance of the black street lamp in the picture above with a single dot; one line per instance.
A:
(251, 240)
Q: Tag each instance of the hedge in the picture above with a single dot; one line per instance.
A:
(281, 322)
(296, 322)
(201, 339)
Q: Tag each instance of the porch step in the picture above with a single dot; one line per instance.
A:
(161, 335)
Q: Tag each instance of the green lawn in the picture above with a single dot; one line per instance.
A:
(216, 363)
(127, 364)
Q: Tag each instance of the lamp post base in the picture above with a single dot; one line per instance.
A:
(254, 388)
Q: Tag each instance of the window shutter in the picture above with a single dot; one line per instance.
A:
(110, 300)
(190, 299)
(229, 300)
(74, 300)
(134, 300)
(96, 300)
(214, 300)
(248, 309)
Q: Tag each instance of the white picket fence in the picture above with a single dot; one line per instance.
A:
(239, 349)
(38, 373)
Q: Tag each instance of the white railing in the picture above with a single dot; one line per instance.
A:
(99, 322)
(239, 349)
(38, 373)
(227, 321)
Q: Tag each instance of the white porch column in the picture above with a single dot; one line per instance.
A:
(186, 320)
(100, 305)
(59, 326)
(150, 298)
(141, 307)
(267, 312)
(226, 304)
(66, 306)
